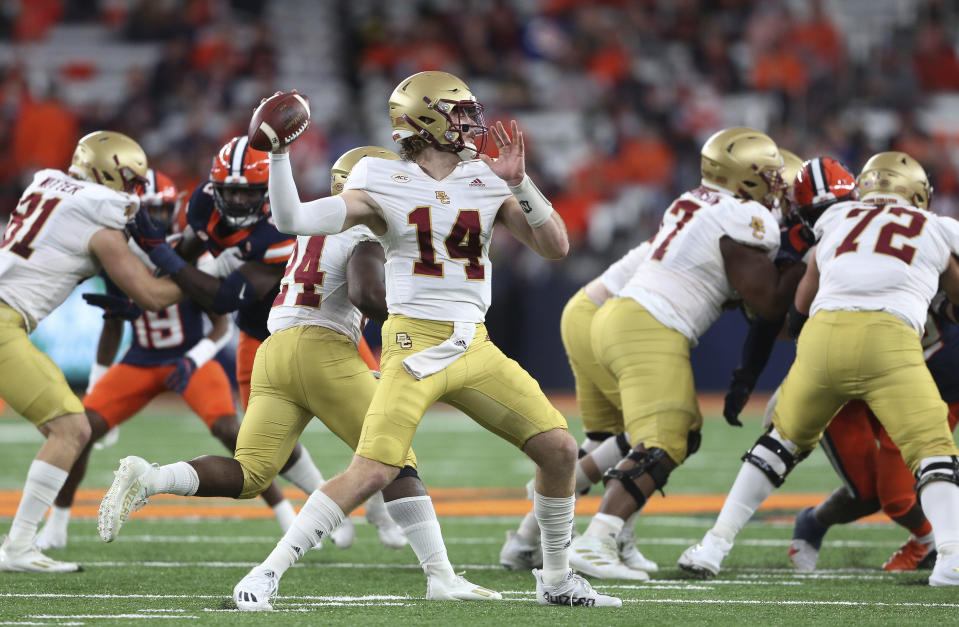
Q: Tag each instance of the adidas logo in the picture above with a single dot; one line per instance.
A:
(477, 183)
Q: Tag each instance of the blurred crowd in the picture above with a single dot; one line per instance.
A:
(617, 96)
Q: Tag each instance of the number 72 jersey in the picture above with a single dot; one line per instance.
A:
(45, 250)
(882, 258)
(438, 236)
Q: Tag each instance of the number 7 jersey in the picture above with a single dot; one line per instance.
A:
(882, 258)
(438, 236)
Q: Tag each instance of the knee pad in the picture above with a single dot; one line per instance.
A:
(649, 462)
(775, 456)
(593, 440)
(939, 468)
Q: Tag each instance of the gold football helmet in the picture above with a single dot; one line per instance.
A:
(746, 162)
(792, 164)
(440, 108)
(112, 159)
(341, 168)
(895, 174)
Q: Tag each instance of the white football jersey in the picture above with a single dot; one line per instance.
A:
(882, 258)
(438, 235)
(314, 290)
(682, 279)
(45, 251)
(616, 276)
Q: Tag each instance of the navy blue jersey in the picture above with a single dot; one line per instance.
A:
(940, 343)
(260, 242)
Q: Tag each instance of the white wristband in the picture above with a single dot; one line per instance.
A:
(97, 371)
(203, 351)
(534, 205)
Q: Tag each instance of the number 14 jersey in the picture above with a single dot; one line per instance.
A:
(682, 279)
(438, 236)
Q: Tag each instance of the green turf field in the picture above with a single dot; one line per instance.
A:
(183, 571)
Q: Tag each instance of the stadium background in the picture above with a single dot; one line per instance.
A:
(616, 97)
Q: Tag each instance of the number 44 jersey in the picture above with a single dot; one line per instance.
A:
(438, 236)
(682, 279)
(874, 257)
(45, 251)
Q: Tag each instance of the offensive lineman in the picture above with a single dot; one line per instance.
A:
(66, 226)
(867, 288)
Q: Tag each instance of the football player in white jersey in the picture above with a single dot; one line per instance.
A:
(867, 288)
(66, 226)
(717, 243)
(308, 366)
(434, 213)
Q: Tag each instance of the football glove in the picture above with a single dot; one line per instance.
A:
(114, 306)
(146, 232)
(179, 379)
(794, 242)
(740, 387)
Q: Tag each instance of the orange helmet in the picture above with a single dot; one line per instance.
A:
(240, 175)
(161, 197)
(821, 183)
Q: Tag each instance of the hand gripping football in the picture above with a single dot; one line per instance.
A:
(279, 120)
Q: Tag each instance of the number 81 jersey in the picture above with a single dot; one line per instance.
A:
(438, 236)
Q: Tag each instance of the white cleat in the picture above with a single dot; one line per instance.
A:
(630, 555)
(598, 557)
(572, 590)
(31, 560)
(458, 589)
(127, 494)
(391, 535)
(519, 553)
(343, 536)
(803, 555)
(946, 571)
(50, 538)
(704, 559)
(255, 590)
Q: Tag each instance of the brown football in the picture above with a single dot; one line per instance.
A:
(279, 120)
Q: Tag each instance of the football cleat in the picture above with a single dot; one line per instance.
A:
(127, 494)
(391, 535)
(598, 557)
(343, 536)
(458, 589)
(909, 555)
(946, 571)
(803, 556)
(807, 540)
(630, 555)
(704, 559)
(50, 538)
(254, 591)
(520, 554)
(572, 590)
(31, 560)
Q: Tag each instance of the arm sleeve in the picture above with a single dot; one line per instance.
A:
(325, 216)
(620, 272)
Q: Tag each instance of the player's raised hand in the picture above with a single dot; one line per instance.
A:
(511, 164)
(114, 306)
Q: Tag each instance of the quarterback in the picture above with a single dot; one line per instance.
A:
(867, 289)
(434, 213)
(66, 227)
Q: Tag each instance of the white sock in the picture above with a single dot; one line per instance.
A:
(629, 526)
(529, 528)
(176, 478)
(607, 454)
(416, 516)
(749, 490)
(58, 519)
(319, 516)
(604, 526)
(555, 518)
(285, 514)
(940, 503)
(376, 509)
(304, 474)
(43, 483)
(929, 538)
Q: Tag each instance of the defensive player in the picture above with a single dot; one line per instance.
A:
(169, 352)
(308, 366)
(717, 240)
(66, 226)
(871, 466)
(867, 288)
(434, 212)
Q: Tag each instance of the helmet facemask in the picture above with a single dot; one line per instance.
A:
(469, 117)
(239, 204)
(775, 188)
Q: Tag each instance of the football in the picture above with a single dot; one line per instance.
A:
(279, 120)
